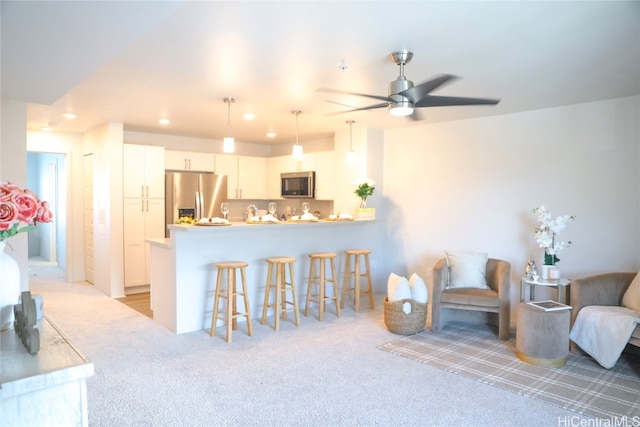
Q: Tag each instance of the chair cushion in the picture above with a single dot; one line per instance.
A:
(398, 288)
(471, 296)
(419, 290)
(467, 269)
(631, 297)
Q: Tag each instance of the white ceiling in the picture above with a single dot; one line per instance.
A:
(135, 62)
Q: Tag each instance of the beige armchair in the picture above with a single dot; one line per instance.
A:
(601, 289)
(493, 300)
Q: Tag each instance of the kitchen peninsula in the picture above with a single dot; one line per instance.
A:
(183, 272)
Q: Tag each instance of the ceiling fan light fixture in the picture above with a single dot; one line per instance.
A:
(401, 108)
(297, 152)
(228, 143)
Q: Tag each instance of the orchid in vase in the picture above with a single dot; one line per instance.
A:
(548, 230)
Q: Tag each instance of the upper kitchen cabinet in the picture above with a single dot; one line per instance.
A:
(189, 161)
(143, 168)
(246, 175)
(323, 165)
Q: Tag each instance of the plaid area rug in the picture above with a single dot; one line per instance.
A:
(475, 351)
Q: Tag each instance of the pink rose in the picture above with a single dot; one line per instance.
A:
(8, 215)
(6, 192)
(27, 206)
(44, 214)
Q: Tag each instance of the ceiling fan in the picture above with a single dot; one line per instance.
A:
(404, 97)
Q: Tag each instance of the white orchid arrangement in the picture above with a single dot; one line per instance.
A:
(547, 231)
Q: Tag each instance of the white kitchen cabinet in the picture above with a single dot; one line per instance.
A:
(143, 219)
(189, 161)
(275, 166)
(325, 183)
(143, 169)
(143, 208)
(246, 175)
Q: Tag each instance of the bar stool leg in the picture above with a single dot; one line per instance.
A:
(278, 304)
(356, 284)
(335, 285)
(310, 286)
(231, 321)
(293, 293)
(216, 300)
(243, 273)
(345, 281)
(267, 292)
(370, 283)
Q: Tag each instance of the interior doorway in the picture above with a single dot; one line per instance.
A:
(47, 177)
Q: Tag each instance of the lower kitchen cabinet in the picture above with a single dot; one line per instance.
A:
(143, 219)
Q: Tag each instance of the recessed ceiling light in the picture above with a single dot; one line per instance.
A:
(249, 116)
(69, 116)
(271, 134)
(164, 122)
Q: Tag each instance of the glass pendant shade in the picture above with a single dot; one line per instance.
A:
(228, 144)
(297, 148)
(351, 157)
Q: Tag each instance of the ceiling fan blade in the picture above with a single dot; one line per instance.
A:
(443, 101)
(382, 98)
(369, 107)
(416, 93)
(341, 104)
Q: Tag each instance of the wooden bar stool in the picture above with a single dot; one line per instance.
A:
(356, 274)
(230, 293)
(321, 280)
(281, 305)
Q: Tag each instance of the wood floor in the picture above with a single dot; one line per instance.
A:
(139, 302)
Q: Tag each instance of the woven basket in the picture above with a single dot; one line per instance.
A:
(406, 324)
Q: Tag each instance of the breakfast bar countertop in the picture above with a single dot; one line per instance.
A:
(183, 268)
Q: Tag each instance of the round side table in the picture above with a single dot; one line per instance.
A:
(542, 337)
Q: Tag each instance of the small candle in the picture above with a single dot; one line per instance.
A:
(554, 273)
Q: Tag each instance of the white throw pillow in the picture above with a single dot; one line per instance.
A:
(631, 297)
(419, 291)
(398, 288)
(467, 269)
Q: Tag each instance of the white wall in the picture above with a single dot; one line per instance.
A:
(13, 167)
(472, 184)
(69, 145)
(105, 142)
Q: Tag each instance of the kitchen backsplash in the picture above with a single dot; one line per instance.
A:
(288, 207)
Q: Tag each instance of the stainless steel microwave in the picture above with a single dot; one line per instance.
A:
(298, 185)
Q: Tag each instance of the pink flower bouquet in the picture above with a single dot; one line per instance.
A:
(20, 210)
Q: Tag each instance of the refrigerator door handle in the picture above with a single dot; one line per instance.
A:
(198, 206)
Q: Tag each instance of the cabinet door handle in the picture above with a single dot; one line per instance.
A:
(189, 160)
(147, 187)
(142, 191)
(147, 206)
(141, 205)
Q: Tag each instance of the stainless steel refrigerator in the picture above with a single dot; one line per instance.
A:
(193, 194)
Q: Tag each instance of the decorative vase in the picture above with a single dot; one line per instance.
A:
(363, 203)
(544, 271)
(9, 287)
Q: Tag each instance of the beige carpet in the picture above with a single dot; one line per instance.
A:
(583, 386)
(327, 373)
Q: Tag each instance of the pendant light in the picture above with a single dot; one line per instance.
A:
(351, 155)
(297, 148)
(228, 143)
